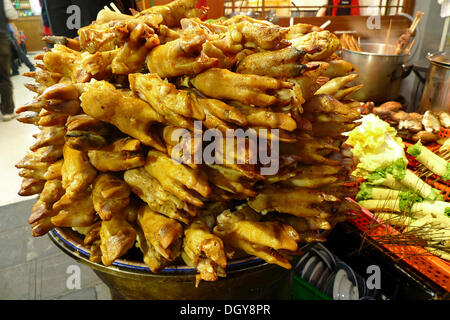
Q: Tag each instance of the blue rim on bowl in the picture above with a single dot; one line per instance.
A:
(63, 236)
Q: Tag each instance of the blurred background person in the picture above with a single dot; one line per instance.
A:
(346, 11)
(7, 14)
(18, 50)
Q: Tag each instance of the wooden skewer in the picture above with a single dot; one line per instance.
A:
(106, 8)
(419, 16)
(113, 5)
(410, 46)
(388, 36)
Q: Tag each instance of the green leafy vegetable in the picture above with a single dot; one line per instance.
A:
(416, 149)
(398, 168)
(407, 199)
(447, 212)
(377, 177)
(365, 192)
(446, 176)
(435, 195)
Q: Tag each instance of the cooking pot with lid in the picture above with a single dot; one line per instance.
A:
(436, 94)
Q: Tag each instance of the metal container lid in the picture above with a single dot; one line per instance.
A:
(440, 58)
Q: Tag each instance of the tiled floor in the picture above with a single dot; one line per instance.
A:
(31, 268)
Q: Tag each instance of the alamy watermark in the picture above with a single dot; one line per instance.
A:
(74, 279)
(74, 19)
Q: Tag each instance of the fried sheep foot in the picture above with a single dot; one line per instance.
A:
(266, 118)
(117, 236)
(150, 191)
(339, 68)
(86, 133)
(31, 187)
(77, 173)
(171, 14)
(74, 212)
(301, 225)
(242, 229)
(178, 107)
(310, 150)
(152, 258)
(300, 202)
(185, 183)
(49, 136)
(43, 208)
(205, 251)
(44, 78)
(182, 56)
(284, 63)
(320, 45)
(123, 154)
(131, 56)
(102, 101)
(254, 33)
(300, 29)
(80, 67)
(245, 88)
(336, 86)
(111, 195)
(230, 180)
(315, 176)
(163, 233)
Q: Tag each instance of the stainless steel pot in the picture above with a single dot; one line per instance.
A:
(436, 94)
(380, 73)
(249, 278)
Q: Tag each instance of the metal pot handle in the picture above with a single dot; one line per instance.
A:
(406, 70)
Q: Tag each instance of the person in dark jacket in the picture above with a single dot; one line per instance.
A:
(18, 54)
(7, 13)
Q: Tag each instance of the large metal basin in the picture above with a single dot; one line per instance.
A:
(249, 278)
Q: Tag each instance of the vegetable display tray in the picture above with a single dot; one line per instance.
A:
(423, 261)
(429, 265)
